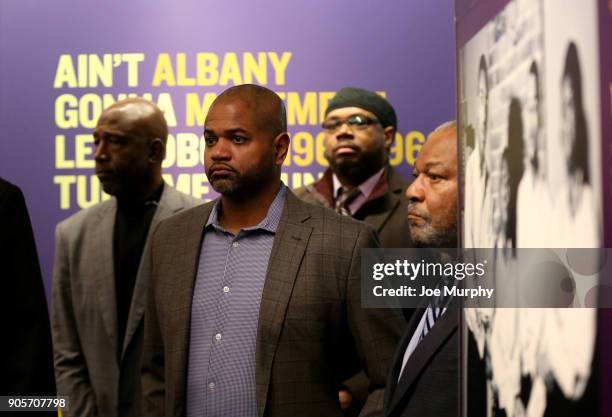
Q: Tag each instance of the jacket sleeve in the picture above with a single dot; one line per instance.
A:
(153, 362)
(71, 373)
(375, 331)
(26, 359)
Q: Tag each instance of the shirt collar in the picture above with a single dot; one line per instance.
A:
(131, 206)
(365, 187)
(154, 199)
(269, 223)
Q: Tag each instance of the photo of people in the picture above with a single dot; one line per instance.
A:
(510, 176)
(533, 190)
(477, 194)
(574, 138)
(530, 138)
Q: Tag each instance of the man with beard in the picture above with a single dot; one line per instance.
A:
(359, 129)
(99, 279)
(424, 376)
(255, 307)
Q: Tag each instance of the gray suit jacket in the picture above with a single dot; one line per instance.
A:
(84, 319)
(312, 332)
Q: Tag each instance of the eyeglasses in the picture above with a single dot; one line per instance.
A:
(356, 121)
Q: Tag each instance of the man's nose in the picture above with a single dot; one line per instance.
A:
(415, 191)
(344, 131)
(101, 153)
(221, 151)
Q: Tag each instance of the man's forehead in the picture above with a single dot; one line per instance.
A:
(122, 119)
(347, 112)
(246, 102)
(439, 150)
(240, 112)
(121, 113)
(229, 110)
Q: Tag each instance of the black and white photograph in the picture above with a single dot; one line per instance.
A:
(530, 140)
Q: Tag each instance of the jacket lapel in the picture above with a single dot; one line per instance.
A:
(388, 205)
(444, 328)
(105, 276)
(288, 250)
(399, 354)
(383, 201)
(323, 189)
(169, 204)
(186, 256)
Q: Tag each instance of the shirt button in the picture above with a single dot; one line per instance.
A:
(235, 244)
(211, 385)
(226, 289)
(218, 337)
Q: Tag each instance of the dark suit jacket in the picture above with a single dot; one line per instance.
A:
(85, 315)
(429, 386)
(385, 209)
(26, 360)
(310, 319)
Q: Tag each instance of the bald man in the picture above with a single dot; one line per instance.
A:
(100, 277)
(255, 307)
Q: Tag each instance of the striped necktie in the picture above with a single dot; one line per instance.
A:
(436, 307)
(432, 314)
(344, 199)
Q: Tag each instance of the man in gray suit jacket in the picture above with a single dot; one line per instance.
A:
(255, 302)
(99, 280)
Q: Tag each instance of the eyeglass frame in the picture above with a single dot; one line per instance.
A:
(350, 122)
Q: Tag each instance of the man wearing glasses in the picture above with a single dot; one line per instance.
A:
(359, 129)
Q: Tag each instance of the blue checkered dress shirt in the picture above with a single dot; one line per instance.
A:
(224, 315)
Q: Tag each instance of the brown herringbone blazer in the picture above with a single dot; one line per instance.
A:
(312, 331)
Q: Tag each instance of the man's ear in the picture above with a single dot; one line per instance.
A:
(281, 148)
(157, 151)
(389, 133)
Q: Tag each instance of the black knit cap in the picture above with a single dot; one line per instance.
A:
(364, 99)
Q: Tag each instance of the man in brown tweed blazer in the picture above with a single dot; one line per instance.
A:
(309, 330)
(99, 280)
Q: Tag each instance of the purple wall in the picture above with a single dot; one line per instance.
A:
(405, 49)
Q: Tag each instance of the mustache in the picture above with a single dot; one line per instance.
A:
(100, 170)
(220, 165)
(414, 211)
(346, 144)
